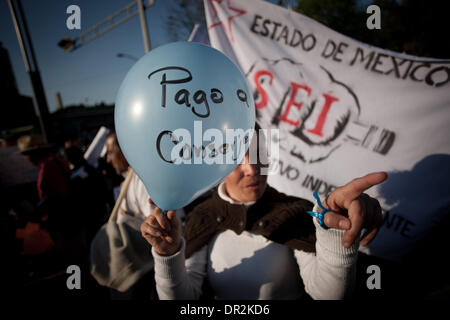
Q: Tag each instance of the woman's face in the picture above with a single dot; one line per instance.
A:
(245, 183)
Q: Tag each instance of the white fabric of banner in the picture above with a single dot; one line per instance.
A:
(345, 109)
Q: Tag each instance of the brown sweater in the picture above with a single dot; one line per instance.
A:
(276, 216)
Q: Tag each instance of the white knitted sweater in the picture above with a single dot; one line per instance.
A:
(249, 266)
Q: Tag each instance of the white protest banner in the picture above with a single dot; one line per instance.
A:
(97, 147)
(345, 109)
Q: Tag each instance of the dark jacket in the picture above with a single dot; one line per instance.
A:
(276, 216)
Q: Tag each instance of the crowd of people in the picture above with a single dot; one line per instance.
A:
(50, 223)
(213, 248)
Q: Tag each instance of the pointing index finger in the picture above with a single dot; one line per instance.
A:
(356, 187)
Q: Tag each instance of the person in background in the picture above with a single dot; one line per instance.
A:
(88, 191)
(119, 255)
(53, 183)
(136, 201)
(73, 153)
(54, 172)
(114, 155)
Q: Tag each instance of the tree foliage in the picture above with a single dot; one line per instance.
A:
(415, 27)
(184, 15)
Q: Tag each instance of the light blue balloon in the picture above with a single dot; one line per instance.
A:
(164, 91)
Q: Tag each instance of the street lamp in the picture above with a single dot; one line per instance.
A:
(125, 55)
(67, 44)
(136, 7)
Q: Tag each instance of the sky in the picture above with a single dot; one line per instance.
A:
(92, 73)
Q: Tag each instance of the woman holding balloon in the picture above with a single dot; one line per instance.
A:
(248, 241)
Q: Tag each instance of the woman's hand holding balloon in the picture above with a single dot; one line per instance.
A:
(162, 232)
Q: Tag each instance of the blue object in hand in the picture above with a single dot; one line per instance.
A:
(187, 86)
(319, 215)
